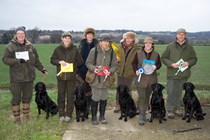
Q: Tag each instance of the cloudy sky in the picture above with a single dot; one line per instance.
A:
(144, 15)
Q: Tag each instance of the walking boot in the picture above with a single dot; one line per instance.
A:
(16, 113)
(94, 109)
(142, 116)
(102, 110)
(26, 110)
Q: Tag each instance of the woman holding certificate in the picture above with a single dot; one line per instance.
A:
(22, 58)
(66, 58)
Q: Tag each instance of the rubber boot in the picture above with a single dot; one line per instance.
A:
(16, 113)
(26, 110)
(142, 116)
(102, 110)
(94, 109)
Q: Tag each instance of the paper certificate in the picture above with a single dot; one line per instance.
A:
(69, 68)
(181, 68)
(22, 55)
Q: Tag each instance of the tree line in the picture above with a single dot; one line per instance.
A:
(37, 35)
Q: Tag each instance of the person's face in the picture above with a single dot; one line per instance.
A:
(104, 44)
(89, 37)
(20, 35)
(180, 37)
(148, 46)
(129, 40)
(66, 40)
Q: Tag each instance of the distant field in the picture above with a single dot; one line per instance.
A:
(200, 73)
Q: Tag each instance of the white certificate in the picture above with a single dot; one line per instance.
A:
(22, 55)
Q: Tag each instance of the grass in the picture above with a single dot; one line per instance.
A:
(200, 72)
(35, 129)
(42, 129)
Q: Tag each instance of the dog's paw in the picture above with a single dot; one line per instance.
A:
(188, 121)
(183, 118)
(125, 120)
(120, 118)
(150, 121)
(164, 119)
(83, 119)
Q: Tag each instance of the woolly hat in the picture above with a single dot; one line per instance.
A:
(148, 39)
(21, 28)
(129, 35)
(66, 34)
(89, 30)
(181, 30)
(104, 37)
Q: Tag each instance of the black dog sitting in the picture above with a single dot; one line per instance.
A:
(157, 103)
(191, 103)
(127, 105)
(81, 104)
(43, 101)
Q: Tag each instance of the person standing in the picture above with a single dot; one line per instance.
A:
(84, 47)
(103, 62)
(178, 50)
(66, 55)
(146, 56)
(125, 74)
(22, 72)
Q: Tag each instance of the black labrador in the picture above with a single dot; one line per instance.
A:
(157, 103)
(81, 104)
(191, 103)
(127, 105)
(43, 101)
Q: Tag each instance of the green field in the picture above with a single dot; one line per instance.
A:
(200, 72)
(41, 129)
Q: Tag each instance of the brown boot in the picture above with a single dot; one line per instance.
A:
(26, 109)
(16, 113)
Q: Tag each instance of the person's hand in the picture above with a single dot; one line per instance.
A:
(45, 72)
(22, 60)
(138, 73)
(118, 59)
(63, 63)
(154, 67)
(185, 64)
(174, 65)
(96, 70)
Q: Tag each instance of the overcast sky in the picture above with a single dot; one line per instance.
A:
(137, 15)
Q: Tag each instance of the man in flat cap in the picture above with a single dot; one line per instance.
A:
(178, 53)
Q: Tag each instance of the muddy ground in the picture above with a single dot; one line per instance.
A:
(119, 130)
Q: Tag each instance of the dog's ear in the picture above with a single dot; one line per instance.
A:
(44, 86)
(193, 86)
(118, 88)
(184, 86)
(127, 89)
(152, 86)
(162, 87)
(35, 87)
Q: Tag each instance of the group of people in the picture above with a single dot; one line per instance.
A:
(131, 62)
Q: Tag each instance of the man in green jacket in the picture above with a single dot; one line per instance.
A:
(22, 71)
(179, 57)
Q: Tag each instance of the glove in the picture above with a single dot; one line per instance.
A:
(43, 71)
(22, 61)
